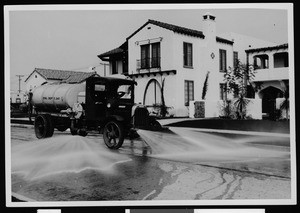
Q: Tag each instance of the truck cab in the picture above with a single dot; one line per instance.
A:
(108, 98)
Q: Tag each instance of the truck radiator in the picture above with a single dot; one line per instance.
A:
(141, 117)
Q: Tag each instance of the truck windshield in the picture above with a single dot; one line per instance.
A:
(124, 91)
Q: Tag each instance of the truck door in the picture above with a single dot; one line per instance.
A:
(96, 101)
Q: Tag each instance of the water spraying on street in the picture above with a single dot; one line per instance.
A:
(192, 146)
(62, 154)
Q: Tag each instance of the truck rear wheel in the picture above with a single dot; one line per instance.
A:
(113, 134)
(43, 126)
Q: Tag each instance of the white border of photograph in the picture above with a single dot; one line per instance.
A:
(282, 6)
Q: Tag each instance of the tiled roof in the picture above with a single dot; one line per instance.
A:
(62, 75)
(111, 52)
(78, 78)
(282, 46)
(174, 28)
(223, 40)
(117, 50)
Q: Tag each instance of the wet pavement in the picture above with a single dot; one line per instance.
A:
(167, 167)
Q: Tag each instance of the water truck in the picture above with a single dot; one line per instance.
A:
(101, 104)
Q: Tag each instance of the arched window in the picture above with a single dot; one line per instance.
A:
(152, 94)
(261, 61)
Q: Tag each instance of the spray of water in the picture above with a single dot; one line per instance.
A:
(62, 154)
(192, 146)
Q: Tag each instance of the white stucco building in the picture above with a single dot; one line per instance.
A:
(41, 76)
(272, 76)
(18, 97)
(178, 59)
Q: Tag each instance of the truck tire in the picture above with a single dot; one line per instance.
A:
(113, 134)
(50, 129)
(73, 131)
(43, 126)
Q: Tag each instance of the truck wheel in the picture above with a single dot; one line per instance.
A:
(113, 134)
(50, 128)
(82, 132)
(155, 125)
(73, 131)
(43, 126)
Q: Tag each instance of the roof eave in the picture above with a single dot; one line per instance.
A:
(282, 46)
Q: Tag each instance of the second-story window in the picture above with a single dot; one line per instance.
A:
(187, 54)
(155, 60)
(261, 61)
(145, 56)
(114, 67)
(222, 54)
(150, 56)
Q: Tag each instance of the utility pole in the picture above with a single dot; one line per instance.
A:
(20, 76)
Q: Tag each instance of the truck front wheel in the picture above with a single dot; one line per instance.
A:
(43, 126)
(113, 134)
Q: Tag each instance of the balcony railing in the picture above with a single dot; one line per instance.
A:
(148, 63)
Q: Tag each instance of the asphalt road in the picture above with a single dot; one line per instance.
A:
(188, 165)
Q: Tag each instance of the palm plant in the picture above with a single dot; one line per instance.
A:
(163, 107)
(285, 105)
(237, 80)
(205, 86)
(241, 104)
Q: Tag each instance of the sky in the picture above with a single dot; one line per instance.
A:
(72, 39)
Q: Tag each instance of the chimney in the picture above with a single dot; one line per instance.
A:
(209, 26)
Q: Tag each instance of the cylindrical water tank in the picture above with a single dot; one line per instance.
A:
(56, 97)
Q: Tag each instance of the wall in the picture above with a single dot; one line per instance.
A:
(33, 81)
(196, 73)
(254, 108)
(15, 95)
(169, 88)
(214, 108)
(155, 32)
(271, 73)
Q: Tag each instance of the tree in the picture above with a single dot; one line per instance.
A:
(285, 105)
(205, 86)
(237, 79)
(164, 108)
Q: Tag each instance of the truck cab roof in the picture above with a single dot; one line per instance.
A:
(112, 80)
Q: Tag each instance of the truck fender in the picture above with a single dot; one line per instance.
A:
(114, 117)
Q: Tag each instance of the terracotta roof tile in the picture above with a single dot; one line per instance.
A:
(282, 46)
(62, 75)
(172, 27)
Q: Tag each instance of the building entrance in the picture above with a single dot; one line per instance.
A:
(269, 96)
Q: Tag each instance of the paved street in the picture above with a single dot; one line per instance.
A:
(184, 164)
